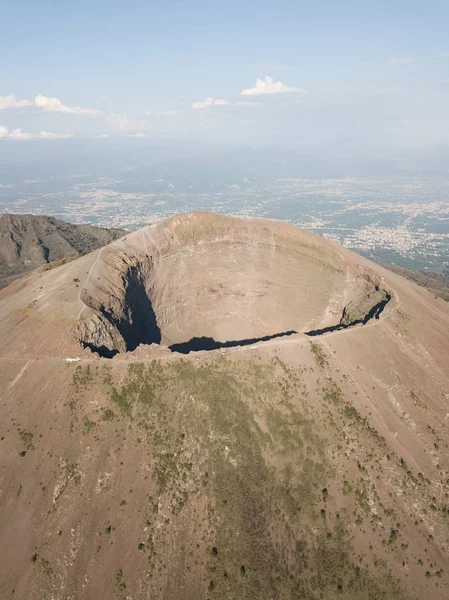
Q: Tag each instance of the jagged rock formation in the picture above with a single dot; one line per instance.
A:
(29, 241)
(277, 466)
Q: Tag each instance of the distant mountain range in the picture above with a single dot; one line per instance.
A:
(29, 241)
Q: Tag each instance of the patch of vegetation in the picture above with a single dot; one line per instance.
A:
(46, 568)
(402, 315)
(27, 438)
(319, 355)
(72, 473)
(108, 415)
(119, 582)
(88, 425)
(82, 378)
(393, 536)
(347, 489)
(63, 261)
(415, 398)
(143, 385)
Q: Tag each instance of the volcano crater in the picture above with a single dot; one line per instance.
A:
(203, 281)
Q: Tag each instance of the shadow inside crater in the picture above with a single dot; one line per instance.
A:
(139, 324)
(102, 351)
(197, 344)
(374, 313)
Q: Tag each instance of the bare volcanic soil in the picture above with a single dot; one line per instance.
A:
(219, 407)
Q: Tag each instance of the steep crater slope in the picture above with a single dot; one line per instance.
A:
(203, 281)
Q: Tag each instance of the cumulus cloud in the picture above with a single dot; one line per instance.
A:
(55, 105)
(12, 102)
(268, 86)
(49, 135)
(138, 135)
(48, 104)
(207, 102)
(18, 134)
(15, 134)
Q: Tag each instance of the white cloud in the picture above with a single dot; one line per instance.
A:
(18, 134)
(410, 60)
(268, 86)
(47, 104)
(139, 135)
(207, 102)
(55, 105)
(12, 102)
(48, 135)
(15, 134)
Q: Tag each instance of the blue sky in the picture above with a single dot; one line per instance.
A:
(344, 73)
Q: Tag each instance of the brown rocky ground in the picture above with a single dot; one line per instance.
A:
(297, 467)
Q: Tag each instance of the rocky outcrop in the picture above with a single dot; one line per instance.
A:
(361, 309)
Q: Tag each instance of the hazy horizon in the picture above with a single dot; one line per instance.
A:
(114, 115)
